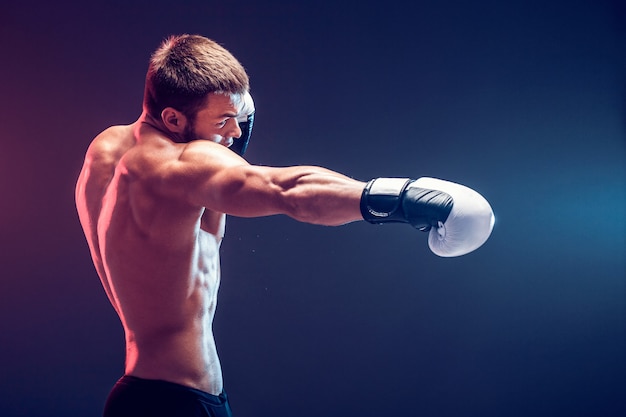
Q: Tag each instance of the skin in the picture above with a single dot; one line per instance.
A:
(153, 206)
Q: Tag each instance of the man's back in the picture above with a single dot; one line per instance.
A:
(156, 255)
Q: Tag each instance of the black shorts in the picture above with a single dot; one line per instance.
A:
(137, 397)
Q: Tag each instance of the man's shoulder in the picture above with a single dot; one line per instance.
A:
(115, 135)
(138, 153)
(170, 157)
(111, 144)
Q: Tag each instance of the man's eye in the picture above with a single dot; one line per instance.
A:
(222, 123)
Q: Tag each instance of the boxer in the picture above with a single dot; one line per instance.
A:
(152, 198)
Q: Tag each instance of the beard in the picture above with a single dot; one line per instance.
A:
(189, 134)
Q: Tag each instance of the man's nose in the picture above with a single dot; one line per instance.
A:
(235, 131)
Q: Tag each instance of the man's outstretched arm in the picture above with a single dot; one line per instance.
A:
(458, 219)
(212, 176)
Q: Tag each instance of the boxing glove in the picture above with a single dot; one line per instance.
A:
(245, 120)
(458, 219)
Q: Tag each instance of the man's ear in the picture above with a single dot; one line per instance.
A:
(173, 120)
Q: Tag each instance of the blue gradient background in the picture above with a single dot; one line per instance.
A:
(521, 100)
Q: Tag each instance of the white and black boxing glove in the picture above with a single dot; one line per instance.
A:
(246, 121)
(459, 219)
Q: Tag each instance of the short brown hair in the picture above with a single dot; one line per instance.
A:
(185, 69)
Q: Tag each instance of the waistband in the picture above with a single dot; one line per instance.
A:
(158, 384)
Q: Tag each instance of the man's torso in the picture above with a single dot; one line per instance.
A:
(156, 255)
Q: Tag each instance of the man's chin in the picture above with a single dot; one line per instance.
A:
(227, 142)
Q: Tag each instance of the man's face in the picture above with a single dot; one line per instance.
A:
(216, 121)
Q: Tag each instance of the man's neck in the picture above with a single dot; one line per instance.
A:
(146, 120)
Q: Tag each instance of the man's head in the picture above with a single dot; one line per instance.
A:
(184, 70)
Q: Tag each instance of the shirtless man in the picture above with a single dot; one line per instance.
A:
(152, 198)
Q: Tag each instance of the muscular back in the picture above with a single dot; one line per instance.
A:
(156, 255)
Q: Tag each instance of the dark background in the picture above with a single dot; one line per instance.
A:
(521, 100)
